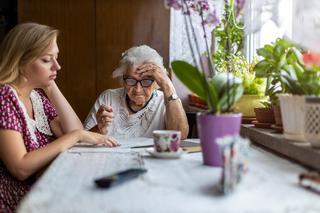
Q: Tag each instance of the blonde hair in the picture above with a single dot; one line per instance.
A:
(23, 44)
(136, 56)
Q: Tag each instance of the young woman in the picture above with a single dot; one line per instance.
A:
(36, 121)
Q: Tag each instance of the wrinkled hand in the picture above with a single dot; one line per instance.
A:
(96, 138)
(104, 118)
(154, 72)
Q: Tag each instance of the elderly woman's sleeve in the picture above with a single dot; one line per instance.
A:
(91, 120)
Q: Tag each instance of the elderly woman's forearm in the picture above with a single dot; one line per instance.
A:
(176, 118)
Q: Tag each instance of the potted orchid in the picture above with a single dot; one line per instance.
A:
(219, 90)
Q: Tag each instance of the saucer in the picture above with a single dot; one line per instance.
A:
(165, 154)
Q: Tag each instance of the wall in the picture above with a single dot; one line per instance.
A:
(94, 33)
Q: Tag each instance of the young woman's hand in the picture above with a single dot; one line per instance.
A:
(96, 138)
(104, 118)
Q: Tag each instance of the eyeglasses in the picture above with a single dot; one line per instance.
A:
(133, 82)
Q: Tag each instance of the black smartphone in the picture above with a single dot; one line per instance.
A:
(118, 178)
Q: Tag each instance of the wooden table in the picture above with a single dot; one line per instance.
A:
(180, 185)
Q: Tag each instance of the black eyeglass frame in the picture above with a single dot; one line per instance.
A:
(150, 82)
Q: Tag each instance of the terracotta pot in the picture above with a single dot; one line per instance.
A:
(277, 115)
(264, 115)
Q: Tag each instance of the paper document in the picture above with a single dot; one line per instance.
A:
(125, 143)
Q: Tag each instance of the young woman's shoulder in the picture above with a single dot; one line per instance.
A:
(6, 94)
(10, 112)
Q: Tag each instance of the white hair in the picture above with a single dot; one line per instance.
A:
(137, 56)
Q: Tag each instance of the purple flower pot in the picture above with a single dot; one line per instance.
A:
(211, 127)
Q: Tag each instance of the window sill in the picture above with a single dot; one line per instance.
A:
(300, 152)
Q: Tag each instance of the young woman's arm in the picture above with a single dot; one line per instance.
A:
(23, 164)
(67, 119)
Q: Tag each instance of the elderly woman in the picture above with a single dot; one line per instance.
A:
(139, 107)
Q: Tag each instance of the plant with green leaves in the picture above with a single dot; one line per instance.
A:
(229, 51)
(229, 34)
(223, 89)
(252, 85)
(220, 92)
(301, 80)
(280, 61)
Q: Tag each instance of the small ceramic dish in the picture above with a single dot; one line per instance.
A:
(171, 155)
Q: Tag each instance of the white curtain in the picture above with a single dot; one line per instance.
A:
(298, 20)
(179, 44)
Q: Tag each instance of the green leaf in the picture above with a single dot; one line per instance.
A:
(265, 52)
(299, 70)
(214, 98)
(294, 56)
(230, 97)
(191, 77)
(262, 69)
(278, 51)
(219, 81)
(298, 55)
(282, 61)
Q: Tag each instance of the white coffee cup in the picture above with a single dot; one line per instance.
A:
(166, 140)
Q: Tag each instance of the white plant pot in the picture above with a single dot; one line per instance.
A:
(292, 113)
(312, 121)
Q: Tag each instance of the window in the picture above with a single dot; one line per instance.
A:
(265, 21)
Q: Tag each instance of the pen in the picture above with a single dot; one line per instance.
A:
(143, 146)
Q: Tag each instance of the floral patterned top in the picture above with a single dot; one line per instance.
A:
(36, 133)
(126, 124)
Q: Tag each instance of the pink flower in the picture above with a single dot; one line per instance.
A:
(212, 18)
(200, 5)
(311, 59)
(239, 5)
(175, 4)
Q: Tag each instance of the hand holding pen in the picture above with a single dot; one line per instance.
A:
(104, 118)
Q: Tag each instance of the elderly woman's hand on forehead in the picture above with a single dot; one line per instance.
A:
(155, 72)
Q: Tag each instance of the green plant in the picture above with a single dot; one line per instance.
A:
(279, 60)
(220, 92)
(229, 34)
(229, 52)
(252, 85)
(286, 72)
(223, 89)
(241, 68)
(299, 81)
